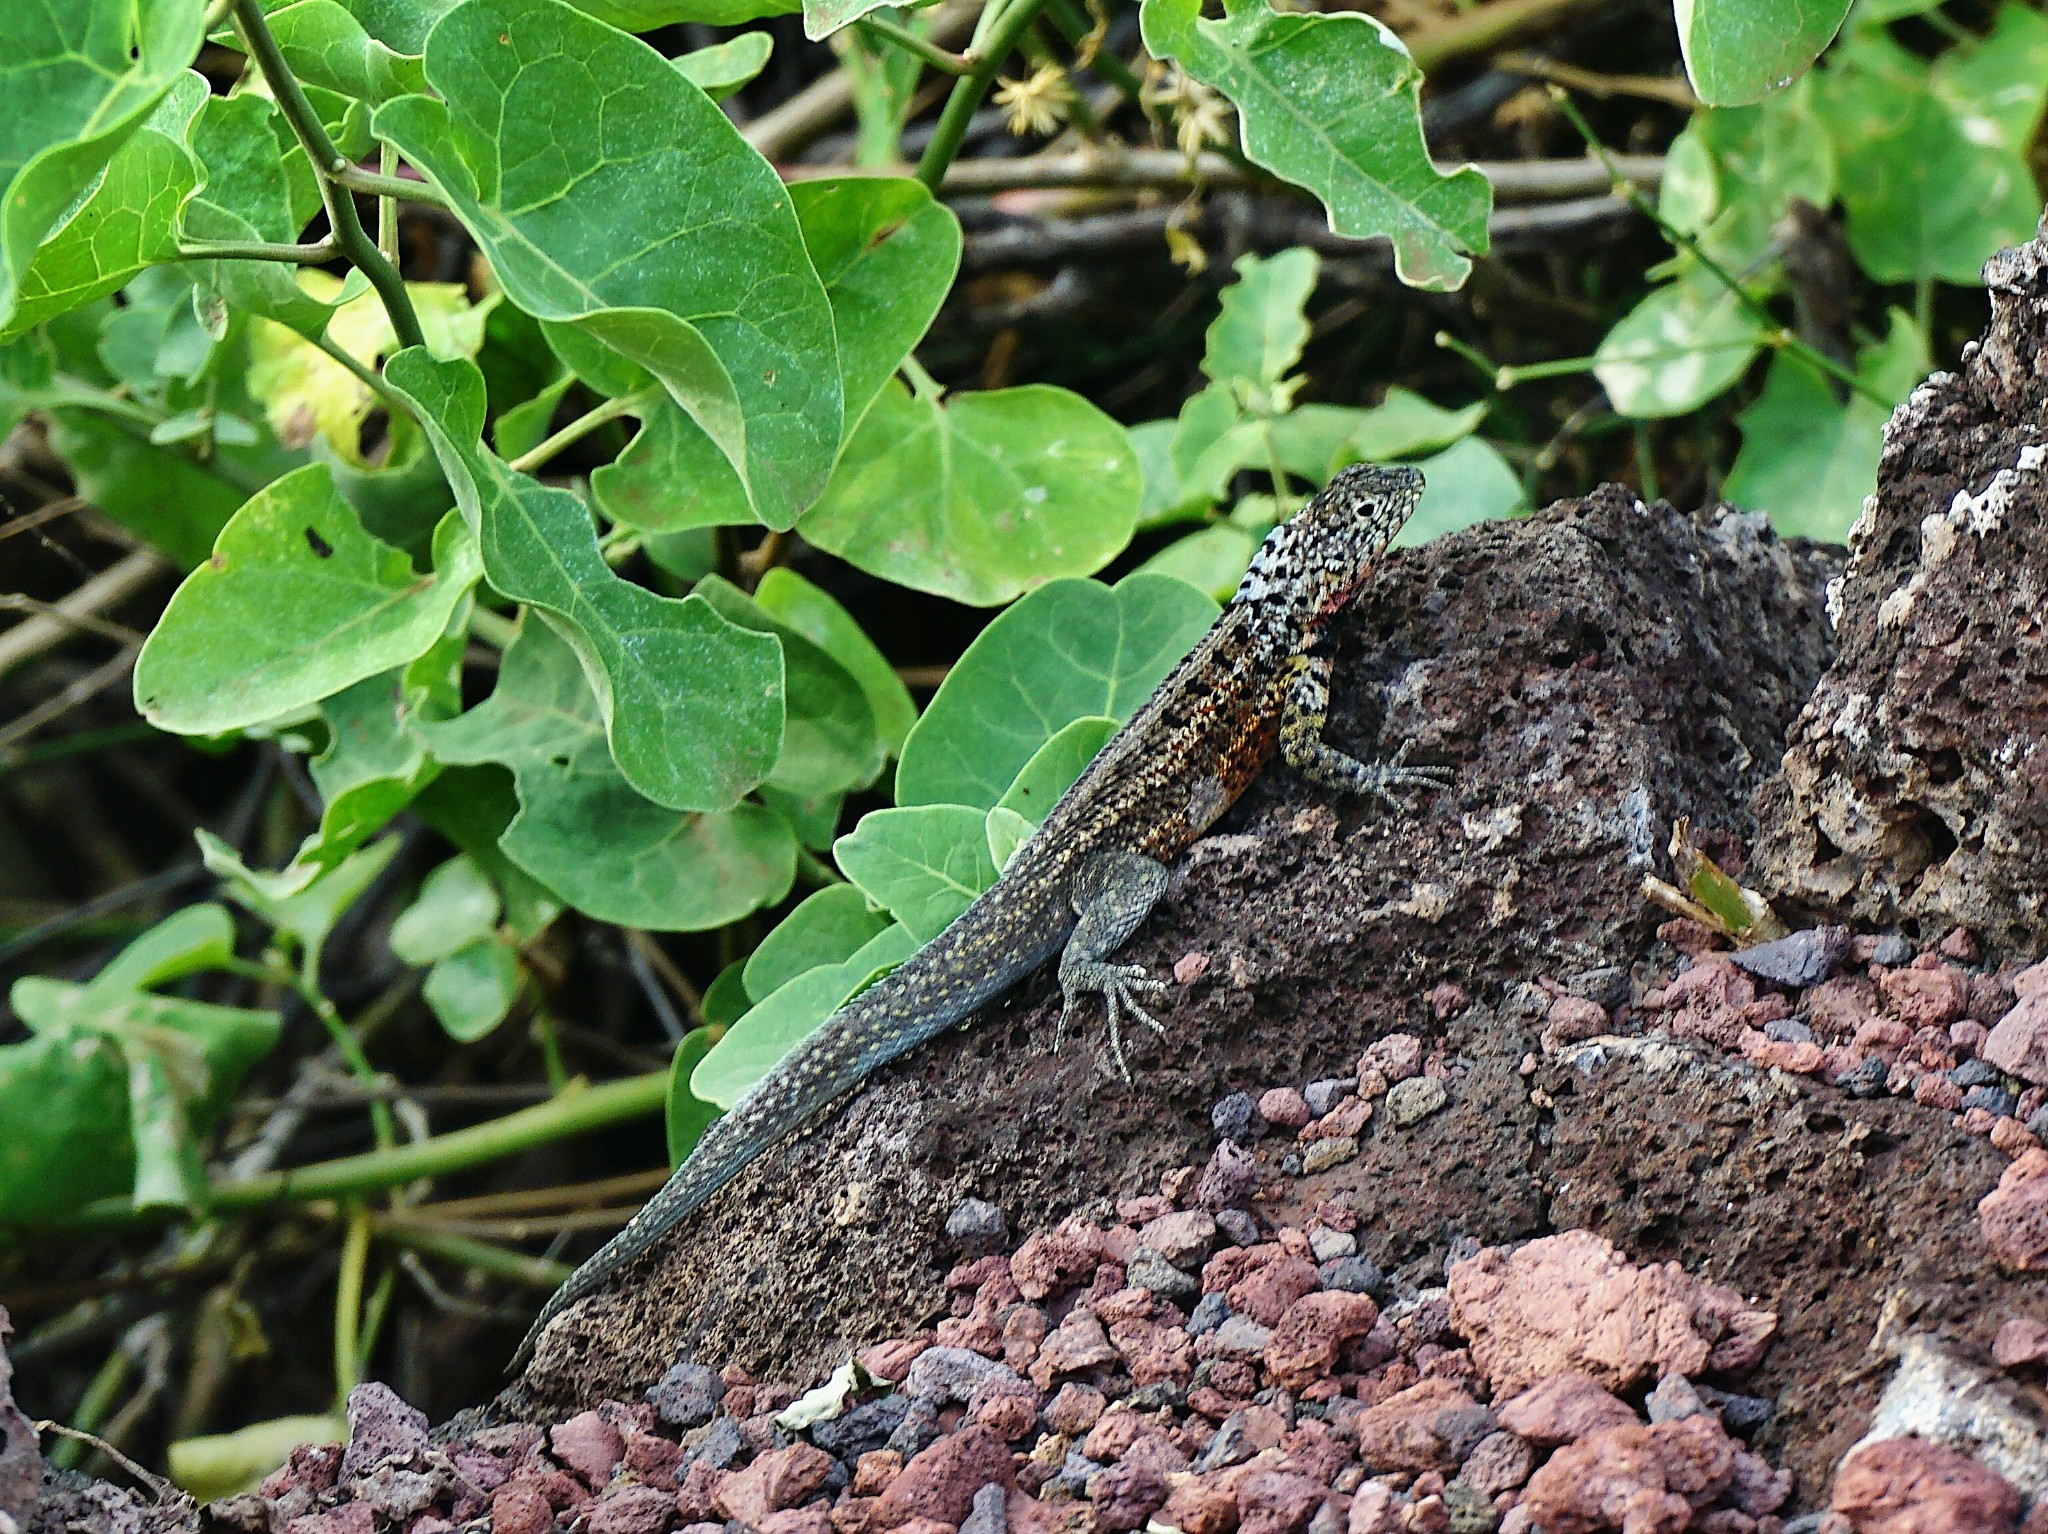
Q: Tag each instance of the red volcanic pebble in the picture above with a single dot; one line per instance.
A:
(2014, 1215)
(1564, 1407)
(1284, 1108)
(1930, 994)
(1909, 1486)
(2018, 1044)
(2021, 1340)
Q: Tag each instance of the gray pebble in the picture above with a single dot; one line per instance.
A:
(1674, 1399)
(687, 1395)
(1243, 1337)
(977, 1224)
(1237, 1117)
(1160, 1395)
(852, 1434)
(1608, 985)
(1211, 1312)
(1805, 1523)
(1328, 1245)
(1462, 1427)
(1788, 1030)
(1328, 1520)
(918, 1430)
(1892, 951)
(1867, 1079)
(1470, 1508)
(1995, 1101)
(943, 1376)
(1071, 1484)
(1290, 1164)
(1232, 1445)
(989, 1513)
(1798, 960)
(2037, 1123)
(1237, 1227)
(1148, 1270)
(718, 1448)
(1355, 1275)
(1975, 1073)
(1322, 1096)
(1411, 1101)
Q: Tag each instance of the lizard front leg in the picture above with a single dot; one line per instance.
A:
(1305, 707)
(1113, 892)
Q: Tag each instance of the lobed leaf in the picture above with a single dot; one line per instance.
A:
(1332, 103)
(612, 196)
(692, 704)
(583, 831)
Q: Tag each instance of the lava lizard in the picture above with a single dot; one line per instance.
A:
(1081, 884)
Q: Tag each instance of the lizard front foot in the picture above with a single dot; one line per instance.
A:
(1120, 985)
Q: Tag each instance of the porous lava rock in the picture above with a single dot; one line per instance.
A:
(1590, 673)
(1915, 784)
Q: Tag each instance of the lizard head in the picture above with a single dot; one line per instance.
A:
(1318, 557)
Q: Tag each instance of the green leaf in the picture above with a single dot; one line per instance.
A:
(1809, 456)
(611, 195)
(119, 1085)
(79, 80)
(647, 15)
(583, 831)
(923, 863)
(302, 901)
(129, 220)
(723, 68)
(325, 45)
(1738, 51)
(375, 762)
(887, 253)
(828, 926)
(688, 1115)
(829, 743)
(1332, 103)
(1931, 185)
(472, 806)
(1211, 559)
(1317, 440)
(1005, 830)
(1256, 339)
(1055, 765)
(791, 1013)
(179, 506)
(456, 906)
(1467, 482)
(692, 704)
(472, 989)
(1733, 175)
(1678, 348)
(796, 604)
(221, 1464)
(297, 603)
(983, 497)
(1071, 650)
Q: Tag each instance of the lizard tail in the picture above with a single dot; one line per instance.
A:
(966, 965)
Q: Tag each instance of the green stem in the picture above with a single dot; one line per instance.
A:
(258, 250)
(94, 1403)
(387, 207)
(943, 59)
(547, 1037)
(492, 628)
(1775, 334)
(576, 1111)
(347, 224)
(345, 1042)
(348, 1308)
(401, 188)
(583, 426)
(514, 1267)
(1003, 33)
(369, 378)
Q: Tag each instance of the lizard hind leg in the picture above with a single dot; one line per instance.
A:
(1113, 892)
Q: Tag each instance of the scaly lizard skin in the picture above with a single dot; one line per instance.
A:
(1081, 884)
